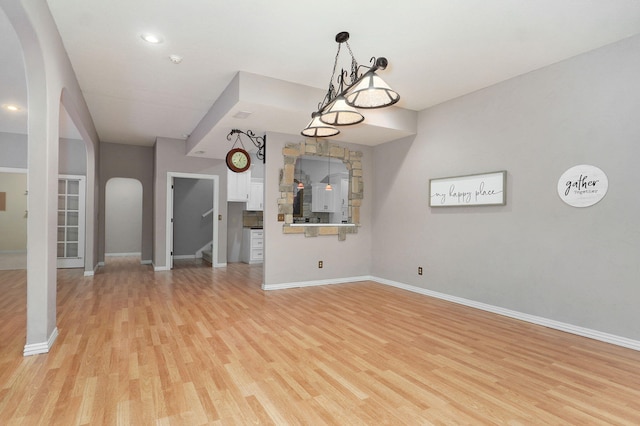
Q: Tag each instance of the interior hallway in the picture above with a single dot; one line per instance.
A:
(201, 346)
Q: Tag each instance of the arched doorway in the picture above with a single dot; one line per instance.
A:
(123, 217)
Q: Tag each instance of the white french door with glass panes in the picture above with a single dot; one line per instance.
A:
(71, 209)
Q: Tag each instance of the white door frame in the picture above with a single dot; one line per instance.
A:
(216, 207)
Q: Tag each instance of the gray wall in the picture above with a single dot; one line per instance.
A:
(123, 216)
(294, 258)
(191, 231)
(72, 157)
(13, 150)
(536, 255)
(135, 162)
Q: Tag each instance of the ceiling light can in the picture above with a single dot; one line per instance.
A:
(151, 38)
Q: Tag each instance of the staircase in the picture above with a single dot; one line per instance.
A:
(207, 256)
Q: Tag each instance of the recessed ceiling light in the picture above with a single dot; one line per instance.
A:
(176, 59)
(151, 38)
(11, 107)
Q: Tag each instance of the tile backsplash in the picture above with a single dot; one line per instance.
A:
(251, 219)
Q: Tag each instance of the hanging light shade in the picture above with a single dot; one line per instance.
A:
(317, 129)
(340, 113)
(350, 90)
(371, 92)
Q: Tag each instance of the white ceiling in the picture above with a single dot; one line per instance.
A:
(437, 50)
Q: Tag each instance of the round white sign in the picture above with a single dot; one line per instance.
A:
(582, 186)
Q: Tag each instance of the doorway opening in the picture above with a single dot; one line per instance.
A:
(192, 217)
(123, 217)
(13, 219)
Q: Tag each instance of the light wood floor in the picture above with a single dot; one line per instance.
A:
(199, 346)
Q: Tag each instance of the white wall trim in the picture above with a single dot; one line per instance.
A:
(91, 273)
(160, 268)
(283, 286)
(122, 254)
(13, 170)
(184, 256)
(146, 262)
(41, 348)
(557, 325)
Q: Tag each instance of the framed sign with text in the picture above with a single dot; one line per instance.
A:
(485, 189)
(583, 185)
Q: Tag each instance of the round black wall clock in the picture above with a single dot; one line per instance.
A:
(238, 160)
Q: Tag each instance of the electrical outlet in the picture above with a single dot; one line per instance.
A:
(419, 270)
(320, 264)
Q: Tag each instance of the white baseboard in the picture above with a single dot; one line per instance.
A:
(92, 273)
(184, 256)
(315, 283)
(122, 254)
(160, 268)
(146, 262)
(545, 322)
(166, 268)
(41, 348)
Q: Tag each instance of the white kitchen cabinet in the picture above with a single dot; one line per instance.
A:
(252, 250)
(238, 186)
(256, 195)
(344, 200)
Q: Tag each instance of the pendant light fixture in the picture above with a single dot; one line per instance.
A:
(338, 108)
(372, 92)
(318, 129)
(328, 187)
(300, 183)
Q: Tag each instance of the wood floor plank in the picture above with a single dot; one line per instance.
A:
(197, 346)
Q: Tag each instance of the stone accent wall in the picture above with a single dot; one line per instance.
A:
(320, 148)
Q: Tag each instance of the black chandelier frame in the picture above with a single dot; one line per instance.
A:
(259, 142)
